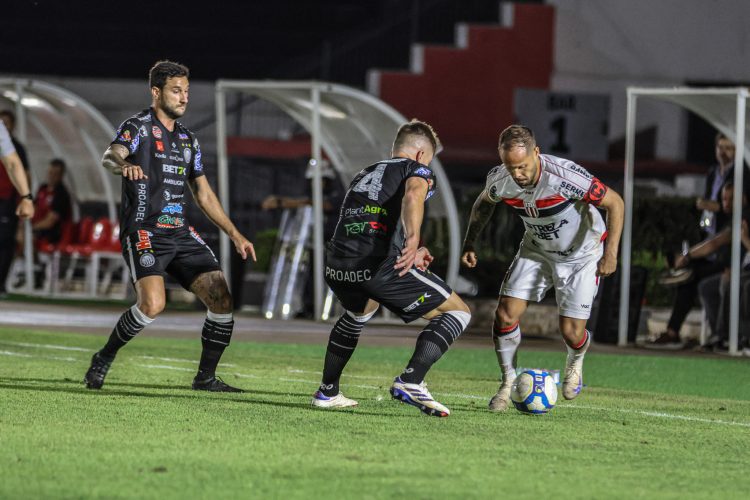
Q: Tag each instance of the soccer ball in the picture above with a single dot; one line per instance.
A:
(534, 391)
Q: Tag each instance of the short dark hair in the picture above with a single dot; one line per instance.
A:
(416, 128)
(59, 163)
(162, 70)
(10, 114)
(516, 136)
(720, 136)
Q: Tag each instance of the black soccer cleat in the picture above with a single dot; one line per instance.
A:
(94, 378)
(213, 384)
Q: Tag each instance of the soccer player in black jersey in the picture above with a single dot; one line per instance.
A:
(157, 156)
(374, 258)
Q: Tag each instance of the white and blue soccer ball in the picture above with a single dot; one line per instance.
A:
(534, 391)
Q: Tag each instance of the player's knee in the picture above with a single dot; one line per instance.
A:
(152, 305)
(504, 317)
(571, 330)
(224, 303)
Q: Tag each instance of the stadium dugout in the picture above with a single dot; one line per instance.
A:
(55, 123)
(352, 129)
(726, 110)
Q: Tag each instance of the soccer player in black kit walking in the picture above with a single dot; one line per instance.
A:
(374, 258)
(156, 156)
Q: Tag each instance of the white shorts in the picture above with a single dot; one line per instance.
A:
(531, 275)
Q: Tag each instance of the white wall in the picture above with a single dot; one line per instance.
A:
(607, 45)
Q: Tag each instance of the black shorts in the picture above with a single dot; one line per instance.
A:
(410, 296)
(183, 255)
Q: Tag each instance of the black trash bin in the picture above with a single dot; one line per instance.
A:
(605, 312)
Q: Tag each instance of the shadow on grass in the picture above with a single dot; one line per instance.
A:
(12, 384)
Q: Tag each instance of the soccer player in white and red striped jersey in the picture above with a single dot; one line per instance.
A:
(567, 245)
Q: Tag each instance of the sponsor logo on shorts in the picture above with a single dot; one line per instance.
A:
(197, 237)
(417, 302)
(156, 131)
(348, 275)
(365, 228)
(140, 211)
(172, 208)
(144, 240)
(147, 260)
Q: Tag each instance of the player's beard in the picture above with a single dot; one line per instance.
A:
(172, 112)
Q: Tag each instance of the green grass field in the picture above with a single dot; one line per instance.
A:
(645, 427)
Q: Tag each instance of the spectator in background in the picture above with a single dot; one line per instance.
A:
(705, 259)
(8, 202)
(53, 207)
(714, 290)
(718, 174)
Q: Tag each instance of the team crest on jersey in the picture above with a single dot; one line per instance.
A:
(187, 155)
(530, 208)
(156, 131)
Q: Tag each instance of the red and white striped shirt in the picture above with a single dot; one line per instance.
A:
(559, 212)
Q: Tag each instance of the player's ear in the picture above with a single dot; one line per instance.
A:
(155, 91)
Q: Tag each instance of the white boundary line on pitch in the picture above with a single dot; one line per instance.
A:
(361, 386)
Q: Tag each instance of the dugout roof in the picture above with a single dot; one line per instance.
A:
(353, 128)
(727, 110)
(52, 122)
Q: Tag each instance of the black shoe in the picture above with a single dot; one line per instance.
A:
(213, 384)
(94, 378)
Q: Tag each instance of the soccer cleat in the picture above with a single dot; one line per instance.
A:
(501, 400)
(573, 381)
(320, 400)
(418, 395)
(94, 378)
(213, 384)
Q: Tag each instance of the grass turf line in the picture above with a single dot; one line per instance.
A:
(146, 435)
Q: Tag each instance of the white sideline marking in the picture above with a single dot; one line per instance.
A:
(372, 387)
(659, 414)
(24, 355)
(46, 346)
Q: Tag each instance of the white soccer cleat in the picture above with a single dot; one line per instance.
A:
(418, 395)
(320, 400)
(501, 400)
(573, 381)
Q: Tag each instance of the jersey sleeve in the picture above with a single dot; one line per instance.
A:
(128, 136)
(596, 192)
(6, 145)
(196, 169)
(425, 173)
(491, 185)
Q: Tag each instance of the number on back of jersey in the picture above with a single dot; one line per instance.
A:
(371, 183)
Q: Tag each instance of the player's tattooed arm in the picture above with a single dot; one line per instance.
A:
(481, 213)
(209, 203)
(114, 161)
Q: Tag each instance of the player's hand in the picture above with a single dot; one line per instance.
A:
(423, 259)
(681, 261)
(606, 265)
(244, 247)
(133, 172)
(408, 255)
(469, 259)
(25, 209)
(272, 201)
